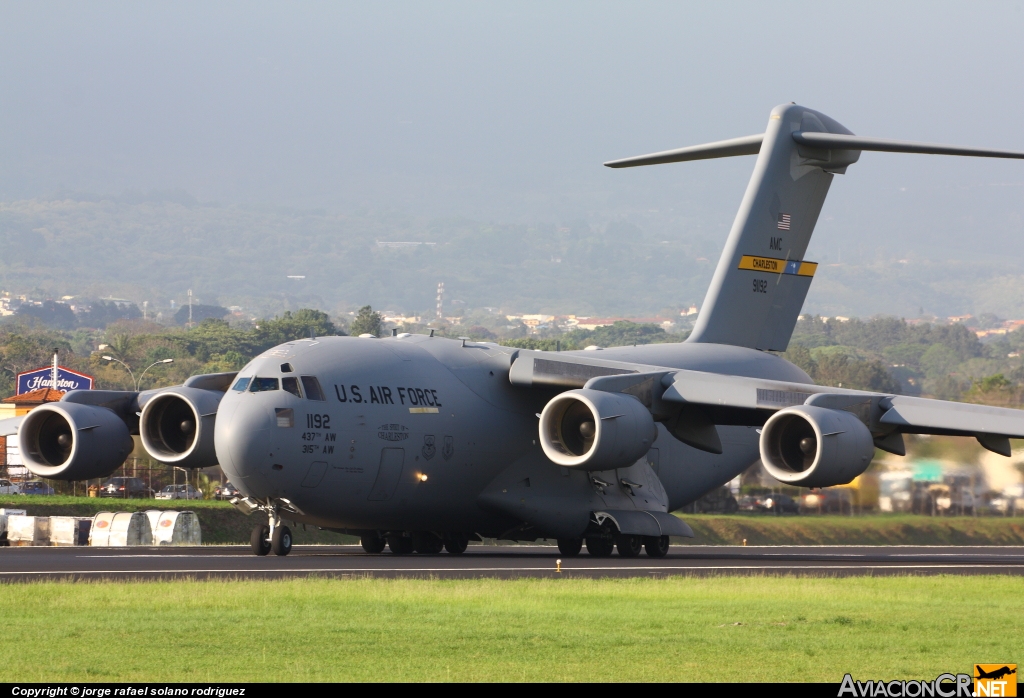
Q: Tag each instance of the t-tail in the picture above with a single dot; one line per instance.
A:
(762, 278)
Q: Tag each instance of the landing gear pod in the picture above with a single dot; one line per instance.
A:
(177, 427)
(69, 441)
(595, 430)
(811, 446)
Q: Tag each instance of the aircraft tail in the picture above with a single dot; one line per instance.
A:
(762, 278)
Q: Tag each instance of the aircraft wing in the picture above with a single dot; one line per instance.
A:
(9, 427)
(720, 399)
(908, 415)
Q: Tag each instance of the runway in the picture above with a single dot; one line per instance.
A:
(237, 562)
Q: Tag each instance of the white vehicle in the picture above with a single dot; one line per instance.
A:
(179, 492)
(8, 487)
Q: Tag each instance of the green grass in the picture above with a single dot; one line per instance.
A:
(879, 529)
(677, 629)
(15, 501)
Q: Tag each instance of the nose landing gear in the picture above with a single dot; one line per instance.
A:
(273, 536)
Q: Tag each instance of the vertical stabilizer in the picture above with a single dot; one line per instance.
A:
(762, 278)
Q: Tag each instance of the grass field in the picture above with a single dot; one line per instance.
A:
(689, 629)
(878, 529)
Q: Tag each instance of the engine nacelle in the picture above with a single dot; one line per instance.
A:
(69, 441)
(812, 446)
(177, 427)
(595, 430)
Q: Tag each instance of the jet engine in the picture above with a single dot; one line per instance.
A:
(70, 441)
(812, 446)
(595, 430)
(177, 426)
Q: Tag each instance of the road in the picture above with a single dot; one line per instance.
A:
(38, 563)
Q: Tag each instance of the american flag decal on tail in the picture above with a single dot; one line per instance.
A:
(784, 220)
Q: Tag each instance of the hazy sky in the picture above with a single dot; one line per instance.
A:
(504, 111)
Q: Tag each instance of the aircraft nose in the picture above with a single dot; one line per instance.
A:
(243, 439)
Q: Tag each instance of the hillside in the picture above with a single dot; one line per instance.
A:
(155, 248)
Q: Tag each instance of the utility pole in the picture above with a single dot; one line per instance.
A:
(440, 300)
(190, 309)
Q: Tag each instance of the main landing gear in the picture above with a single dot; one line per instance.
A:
(423, 542)
(273, 536)
(604, 546)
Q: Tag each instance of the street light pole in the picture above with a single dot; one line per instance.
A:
(138, 385)
(131, 373)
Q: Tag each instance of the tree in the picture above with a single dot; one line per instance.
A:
(102, 313)
(199, 313)
(50, 313)
(289, 326)
(367, 322)
(800, 355)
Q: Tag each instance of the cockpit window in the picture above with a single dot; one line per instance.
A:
(291, 384)
(259, 385)
(241, 384)
(312, 387)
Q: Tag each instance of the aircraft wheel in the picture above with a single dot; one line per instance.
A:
(656, 547)
(427, 543)
(456, 545)
(599, 546)
(570, 547)
(372, 543)
(281, 543)
(400, 545)
(259, 540)
(630, 546)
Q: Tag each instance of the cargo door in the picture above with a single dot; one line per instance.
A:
(392, 461)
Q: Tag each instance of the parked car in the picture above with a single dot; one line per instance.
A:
(830, 500)
(126, 487)
(36, 487)
(226, 491)
(778, 504)
(8, 487)
(718, 501)
(179, 492)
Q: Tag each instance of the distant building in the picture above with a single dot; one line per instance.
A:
(403, 319)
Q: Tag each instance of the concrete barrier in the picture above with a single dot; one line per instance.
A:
(69, 530)
(28, 530)
(4, 513)
(174, 527)
(110, 529)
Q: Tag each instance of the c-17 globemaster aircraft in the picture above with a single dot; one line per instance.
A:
(420, 443)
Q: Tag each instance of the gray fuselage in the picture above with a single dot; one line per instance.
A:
(426, 433)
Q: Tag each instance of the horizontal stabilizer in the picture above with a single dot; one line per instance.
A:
(747, 145)
(841, 141)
